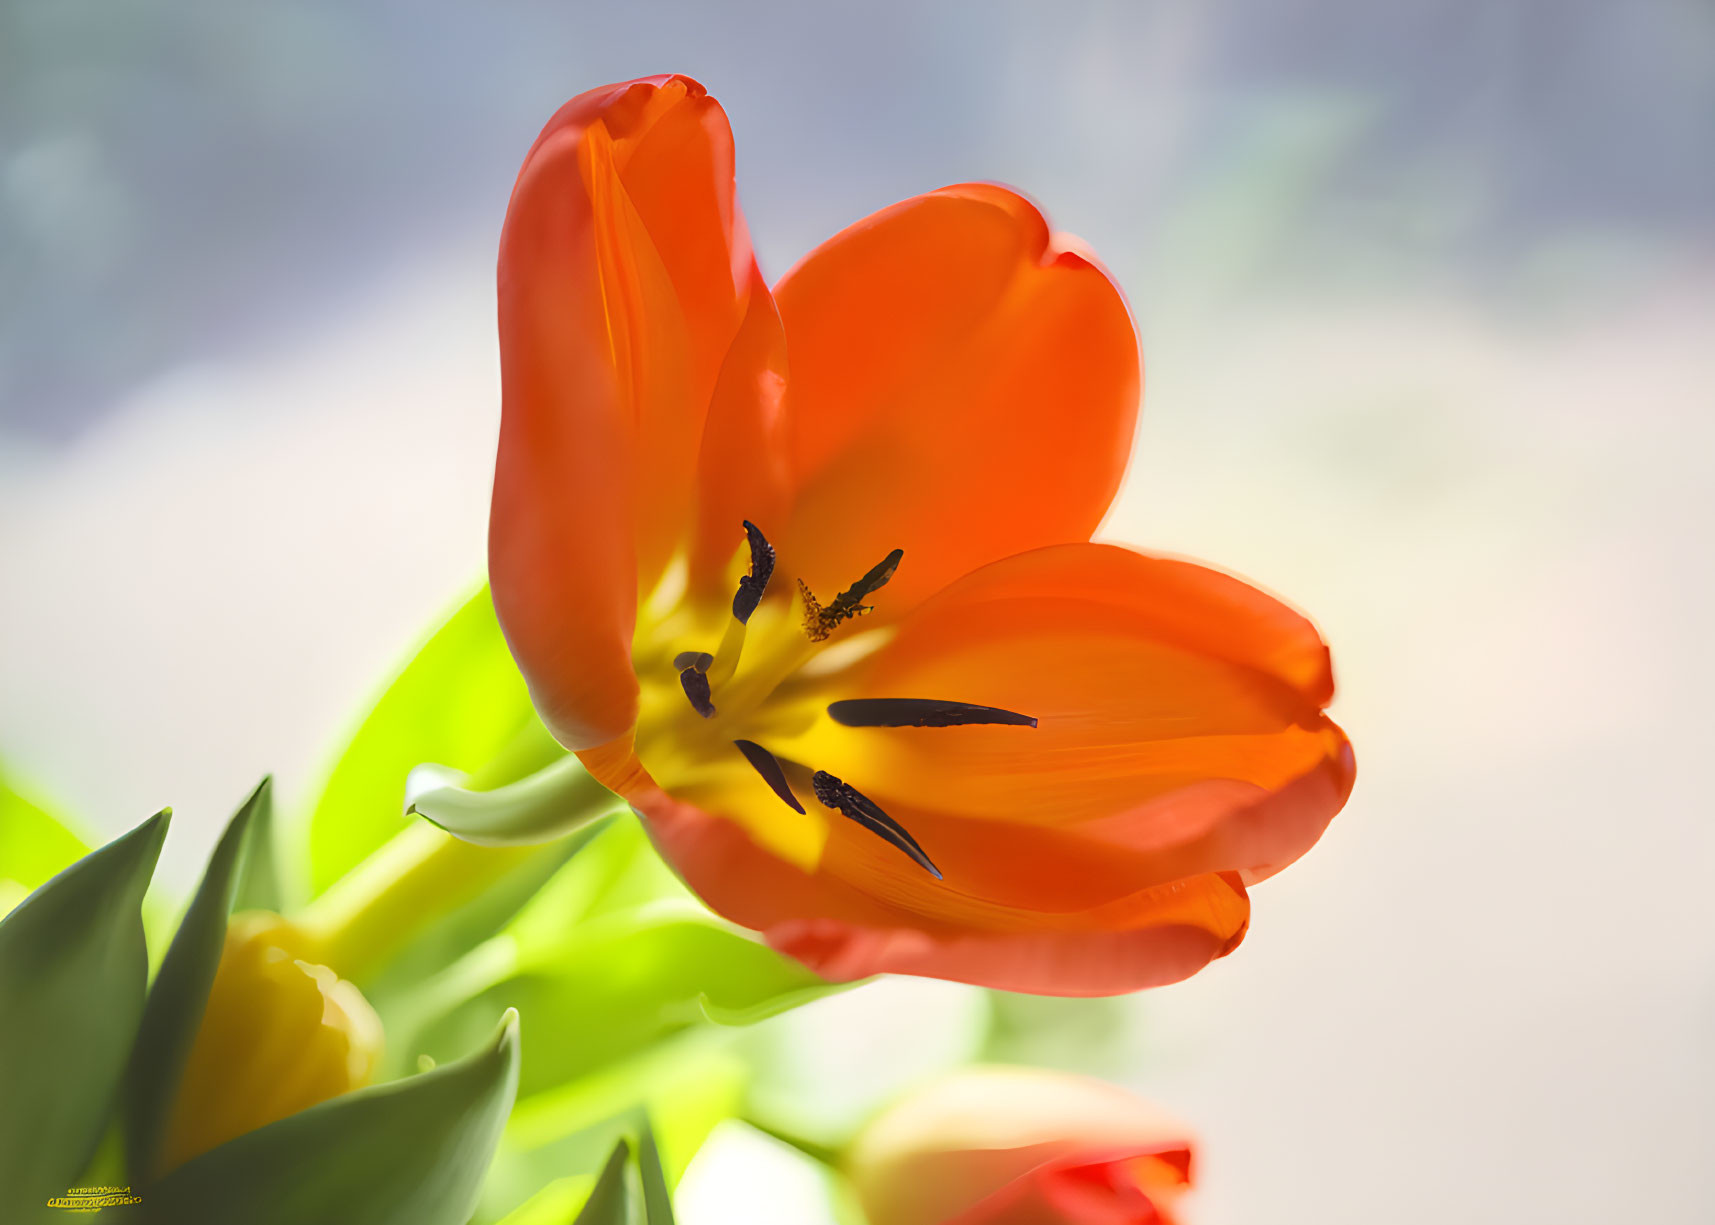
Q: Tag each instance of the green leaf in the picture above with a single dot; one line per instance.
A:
(611, 1201)
(261, 883)
(33, 844)
(412, 1152)
(461, 702)
(657, 1199)
(73, 968)
(683, 1088)
(619, 983)
(398, 991)
(176, 1002)
(624, 1193)
(547, 805)
(558, 1203)
(620, 872)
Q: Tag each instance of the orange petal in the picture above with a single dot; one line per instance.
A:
(1179, 733)
(741, 470)
(615, 765)
(625, 273)
(843, 931)
(964, 386)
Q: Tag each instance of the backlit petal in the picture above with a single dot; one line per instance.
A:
(843, 930)
(625, 273)
(741, 473)
(964, 386)
(1180, 729)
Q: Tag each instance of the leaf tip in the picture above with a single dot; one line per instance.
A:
(153, 832)
(507, 1033)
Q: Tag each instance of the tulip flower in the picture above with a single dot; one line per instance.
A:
(1020, 1146)
(806, 575)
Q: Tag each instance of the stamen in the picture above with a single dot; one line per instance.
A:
(700, 660)
(752, 586)
(866, 812)
(744, 601)
(819, 621)
(727, 653)
(696, 686)
(920, 712)
(770, 770)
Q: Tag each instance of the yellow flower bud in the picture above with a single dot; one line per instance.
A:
(279, 1034)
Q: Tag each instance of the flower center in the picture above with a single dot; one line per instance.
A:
(768, 680)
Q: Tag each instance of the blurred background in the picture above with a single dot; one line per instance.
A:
(1427, 293)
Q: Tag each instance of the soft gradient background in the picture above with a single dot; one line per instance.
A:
(1427, 293)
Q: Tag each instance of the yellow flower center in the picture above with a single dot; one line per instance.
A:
(278, 1035)
(719, 685)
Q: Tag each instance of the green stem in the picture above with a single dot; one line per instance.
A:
(418, 876)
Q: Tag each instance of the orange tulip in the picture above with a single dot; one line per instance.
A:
(1020, 1146)
(806, 575)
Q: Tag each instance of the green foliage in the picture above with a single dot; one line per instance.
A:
(180, 993)
(408, 1153)
(73, 970)
(33, 843)
(683, 1088)
(611, 1201)
(616, 960)
(461, 703)
(619, 872)
(615, 985)
(657, 1199)
(555, 1204)
(629, 1193)
(630, 1190)
(261, 883)
(396, 991)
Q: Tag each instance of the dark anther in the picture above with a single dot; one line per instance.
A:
(820, 620)
(920, 712)
(770, 770)
(700, 660)
(859, 807)
(850, 601)
(752, 585)
(696, 686)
